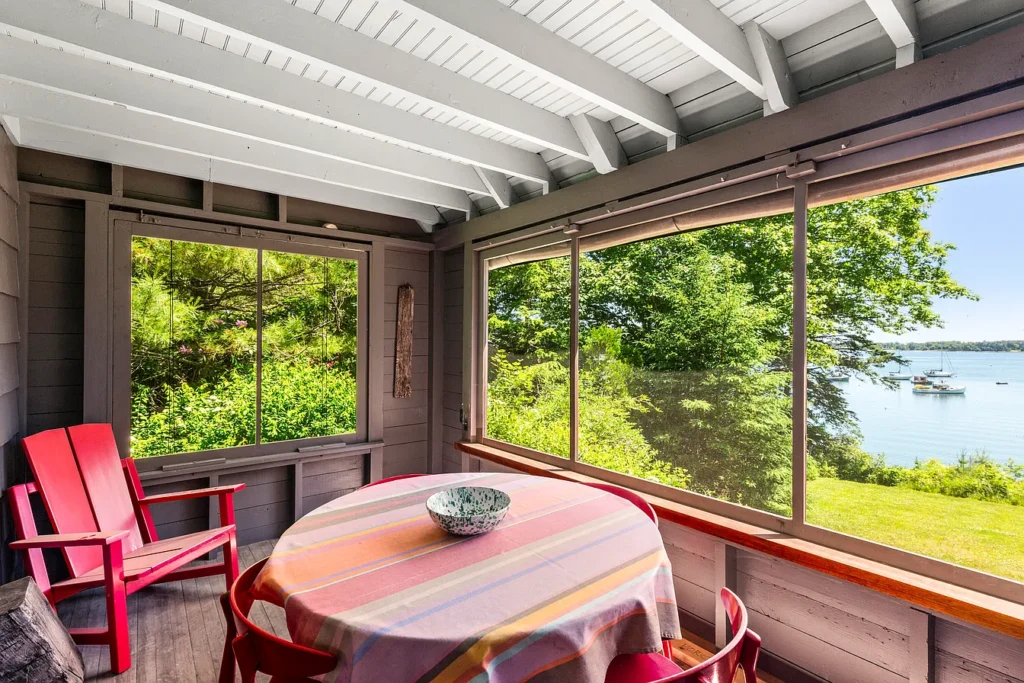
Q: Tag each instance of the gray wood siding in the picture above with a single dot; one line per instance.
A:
(10, 374)
(451, 402)
(55, 300)
(406, 449)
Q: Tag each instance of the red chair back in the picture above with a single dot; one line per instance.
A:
(632, 497)
(60, 486)
(103, 476)
(740, 653)
(254, 650)
(394, 478)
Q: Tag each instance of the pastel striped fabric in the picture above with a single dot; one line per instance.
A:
(571, 578)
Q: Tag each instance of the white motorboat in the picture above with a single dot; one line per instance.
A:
(939, 389)
(838, 376)
(898, 376)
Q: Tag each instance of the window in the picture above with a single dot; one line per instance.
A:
(234, 345)
(916, 369)
(528, 353)
(685, 357)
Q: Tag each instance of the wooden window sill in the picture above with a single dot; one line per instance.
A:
(929, 594)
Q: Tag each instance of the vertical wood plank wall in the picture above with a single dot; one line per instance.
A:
(815, 627)
(55, 318)
(10, 374)
(451, 401)
(406, 450)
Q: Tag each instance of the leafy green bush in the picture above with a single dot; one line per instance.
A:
(299, 400)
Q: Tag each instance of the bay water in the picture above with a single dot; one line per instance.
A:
(906, 426)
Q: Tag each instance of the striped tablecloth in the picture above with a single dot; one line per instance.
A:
(571, 578)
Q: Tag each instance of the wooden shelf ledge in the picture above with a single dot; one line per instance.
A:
(930, 594)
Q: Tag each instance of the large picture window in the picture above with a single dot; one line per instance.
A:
(915, 341)
(662, 356)
(233, 346)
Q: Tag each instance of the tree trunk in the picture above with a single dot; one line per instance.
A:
(34, 646)
(403, 343)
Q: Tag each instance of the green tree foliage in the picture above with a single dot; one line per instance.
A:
(689, 336)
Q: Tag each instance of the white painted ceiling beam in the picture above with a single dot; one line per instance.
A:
(899, 19)
(773, 68)
(52, 138)
(64, 72)
(302, 35)
(103, 35)
(535, 49)
(602, 144)
(28, 102)
(703, 28)
(498, 187)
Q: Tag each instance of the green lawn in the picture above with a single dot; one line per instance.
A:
(972, 533)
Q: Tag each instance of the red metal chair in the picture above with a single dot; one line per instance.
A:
(634, 498)
(254, 650)
(741, 653)
(394, 478)
(104, 528)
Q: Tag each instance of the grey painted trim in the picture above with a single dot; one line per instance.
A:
(922, 647)
(143, 205)
(96, 380)
(375, 366)
(725, 577)
(117, 180)
(23, 268)
(435, 413)
(799, 456)
(297, 490)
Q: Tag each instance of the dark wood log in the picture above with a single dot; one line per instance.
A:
(34, 646)
(403, 342)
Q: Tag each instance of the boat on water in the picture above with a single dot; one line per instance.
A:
(1002, 383)
(838, 376)
(898, 376)
(939, 389)
(921, 379)
(942, 371)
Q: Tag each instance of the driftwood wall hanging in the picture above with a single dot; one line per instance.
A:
(403, 342)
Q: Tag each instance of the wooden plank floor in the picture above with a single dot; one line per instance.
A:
(177, 629)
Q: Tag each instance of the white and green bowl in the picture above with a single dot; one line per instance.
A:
(468, 510)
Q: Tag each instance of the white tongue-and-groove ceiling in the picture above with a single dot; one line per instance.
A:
(435, 110)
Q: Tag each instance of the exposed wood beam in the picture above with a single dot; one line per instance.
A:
(498, 187)
(602, 144)
(535, 49)
(69, 73)
(703, 28)
(103, 119)
(899, 19)
(773, 67)
(304, 36)
(103, 35)
(52, 138)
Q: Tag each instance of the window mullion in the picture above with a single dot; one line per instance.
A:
(259, 345)
(799, 369)
(574, 352)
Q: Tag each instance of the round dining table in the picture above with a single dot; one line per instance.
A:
(572, 577)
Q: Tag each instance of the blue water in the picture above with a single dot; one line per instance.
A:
(907, 426)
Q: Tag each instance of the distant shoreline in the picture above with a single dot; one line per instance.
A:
(1009, 345)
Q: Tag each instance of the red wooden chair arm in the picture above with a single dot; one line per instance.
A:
(71, 540)
(195, 493)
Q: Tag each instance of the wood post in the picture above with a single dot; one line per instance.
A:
(36, 646)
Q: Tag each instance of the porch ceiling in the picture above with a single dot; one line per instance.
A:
(435, 110)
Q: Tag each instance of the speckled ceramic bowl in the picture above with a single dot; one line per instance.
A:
(468, 510)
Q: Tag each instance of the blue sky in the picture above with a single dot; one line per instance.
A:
(984, 217)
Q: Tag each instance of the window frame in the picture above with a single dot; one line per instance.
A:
(799, 178)
(124, 229)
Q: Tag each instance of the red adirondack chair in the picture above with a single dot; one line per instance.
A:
(104, 528)
(255, 650)
(740, 653)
